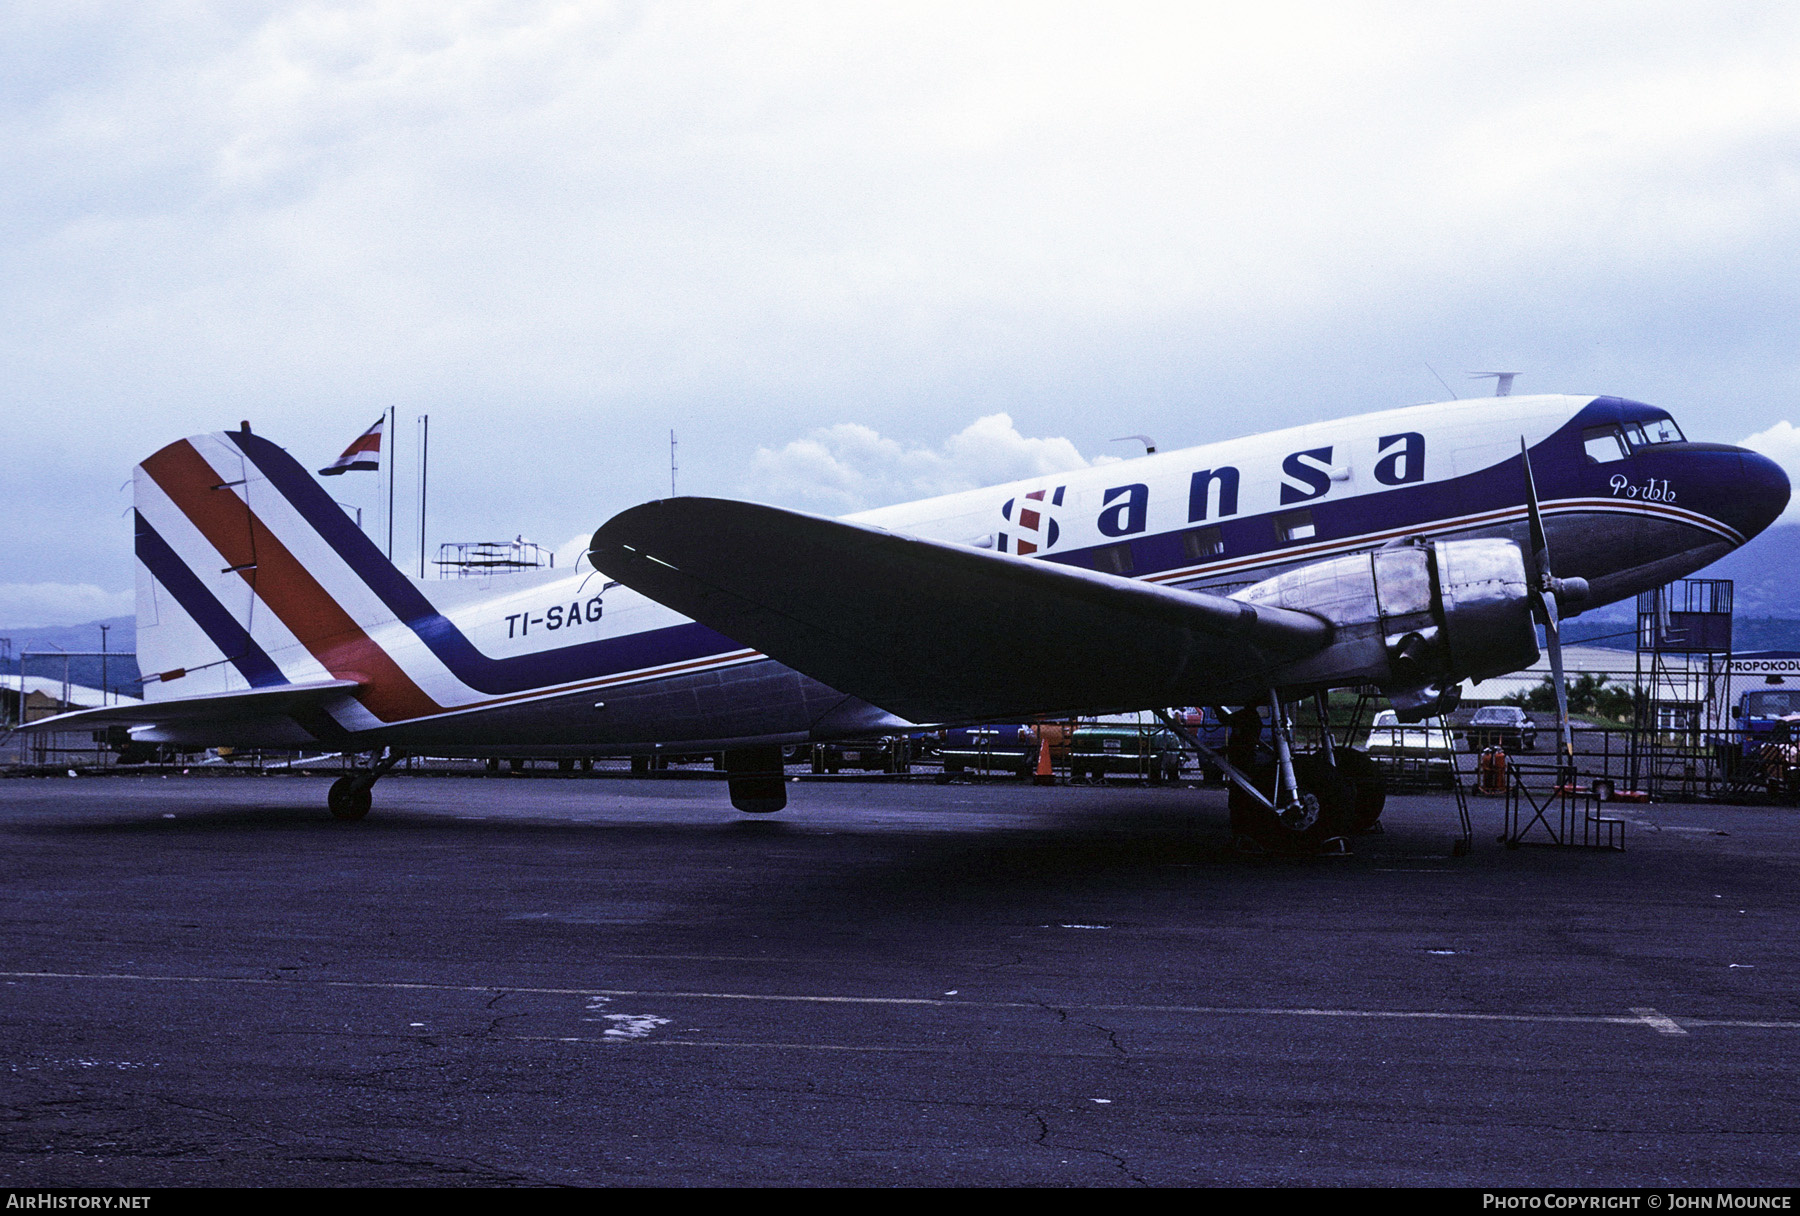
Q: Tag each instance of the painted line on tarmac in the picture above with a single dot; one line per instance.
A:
(1661, 1023)
(1639, 1016)
(641, 1043)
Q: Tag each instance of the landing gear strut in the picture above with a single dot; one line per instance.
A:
(350, 796)
(1314, 801)
(1290, 804)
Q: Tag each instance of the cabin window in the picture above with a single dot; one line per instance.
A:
(1202, 543)
(1604, 444)
(1113, 559)
(1295, 525)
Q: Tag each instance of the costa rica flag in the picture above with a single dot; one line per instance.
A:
(363, 454)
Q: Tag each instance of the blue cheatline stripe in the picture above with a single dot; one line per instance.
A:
(214, 619)
(494, 677)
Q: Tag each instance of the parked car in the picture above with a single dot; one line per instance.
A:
(1424, 752)
(1503, 726)
(1152, 753)
(1007, 748)
(886, 754)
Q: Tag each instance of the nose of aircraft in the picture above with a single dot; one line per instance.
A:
(1760, 496)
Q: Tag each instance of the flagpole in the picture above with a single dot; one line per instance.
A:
(392, 445)
(424, 468)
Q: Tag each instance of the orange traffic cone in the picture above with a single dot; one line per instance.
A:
(1045, 774)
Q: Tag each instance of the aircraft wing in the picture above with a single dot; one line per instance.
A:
(224, 706)
(939, 632)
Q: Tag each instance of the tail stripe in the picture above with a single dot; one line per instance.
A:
(493, 677)
(220, 627)
(282, 583)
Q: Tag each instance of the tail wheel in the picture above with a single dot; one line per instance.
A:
(350, 798)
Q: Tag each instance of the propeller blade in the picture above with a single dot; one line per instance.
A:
(1544, 588)
(1540, 544)
(1558, 681)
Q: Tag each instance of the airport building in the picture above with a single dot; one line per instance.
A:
(34, 698)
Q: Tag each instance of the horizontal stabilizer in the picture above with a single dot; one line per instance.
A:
(224, 706)
(939, 632)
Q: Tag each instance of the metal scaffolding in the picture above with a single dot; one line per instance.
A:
(481, 558)
(1683, 682)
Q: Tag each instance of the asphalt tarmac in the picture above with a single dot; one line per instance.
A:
(624, 982)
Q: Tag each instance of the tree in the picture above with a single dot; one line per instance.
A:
(1588, 695)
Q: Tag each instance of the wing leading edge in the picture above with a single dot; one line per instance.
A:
(938, 632)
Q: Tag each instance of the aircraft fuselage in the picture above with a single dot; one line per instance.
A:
(572, 664)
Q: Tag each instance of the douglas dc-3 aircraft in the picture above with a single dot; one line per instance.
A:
(1409, 549)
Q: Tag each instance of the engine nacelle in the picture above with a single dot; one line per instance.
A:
(1416, 619)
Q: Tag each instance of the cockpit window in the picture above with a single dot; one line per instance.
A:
(1603, 444)
(1656, 430)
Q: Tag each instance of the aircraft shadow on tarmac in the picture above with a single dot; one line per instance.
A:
(784, 867)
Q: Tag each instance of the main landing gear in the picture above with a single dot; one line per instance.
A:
(1288, 802)
(350, 796)
(756, 779)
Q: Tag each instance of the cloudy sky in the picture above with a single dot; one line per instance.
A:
(853, 253)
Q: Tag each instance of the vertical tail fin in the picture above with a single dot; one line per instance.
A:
(249, 575)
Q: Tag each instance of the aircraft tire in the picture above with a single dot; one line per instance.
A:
(1334, 791)
(1371, 787)
(350, 798)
